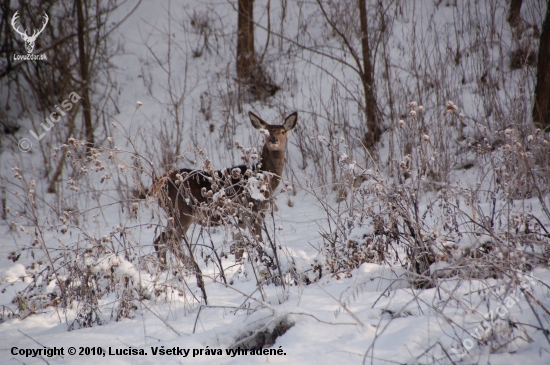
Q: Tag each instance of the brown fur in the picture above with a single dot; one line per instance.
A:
(172, 193)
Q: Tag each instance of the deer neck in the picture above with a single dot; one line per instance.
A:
(274, 162)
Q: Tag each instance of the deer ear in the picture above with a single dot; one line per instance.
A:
(290, 121)
(257, 122)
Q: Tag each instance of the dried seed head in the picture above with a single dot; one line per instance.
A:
(139, 103)
(412, 113)
(402, 123)
(412, 105)
(426, 138)
(461, 116)
(451, 107)
(421, 109)
(208, 165)
(344, 158)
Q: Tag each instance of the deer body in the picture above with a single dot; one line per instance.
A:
(186, 195)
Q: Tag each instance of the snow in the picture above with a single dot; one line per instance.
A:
(374, 316)
(255, 188)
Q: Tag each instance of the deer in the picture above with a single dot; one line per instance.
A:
(187, 194)
(29, 40)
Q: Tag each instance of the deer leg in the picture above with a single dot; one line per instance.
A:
(160, 247)
(254, 223)
(262, 210)
(176, 243)
(236, 247)
(170, 239)
(178, 250)
(238, 231)
(258, 222)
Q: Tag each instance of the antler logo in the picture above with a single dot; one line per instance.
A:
(29, 40)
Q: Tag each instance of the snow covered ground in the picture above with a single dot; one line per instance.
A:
(375, 316)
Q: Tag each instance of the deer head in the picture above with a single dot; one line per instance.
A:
(29, 40)
(275, 139)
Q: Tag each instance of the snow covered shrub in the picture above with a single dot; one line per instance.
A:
(426, 146)
(521, 162)
(455, 229)
(444, 216)
(92, 274)
(379, 222)
(81, 270)
(81, 276)
(203, 28)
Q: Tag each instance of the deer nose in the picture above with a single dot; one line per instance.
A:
(273, 140)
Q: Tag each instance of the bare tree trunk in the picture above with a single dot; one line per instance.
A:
(541, 107)
(61, 163)
(371, 107)
(514, 12)
(268, 31)
(86, 106)
(245, 39)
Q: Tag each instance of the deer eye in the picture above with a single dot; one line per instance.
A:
(283, 131)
